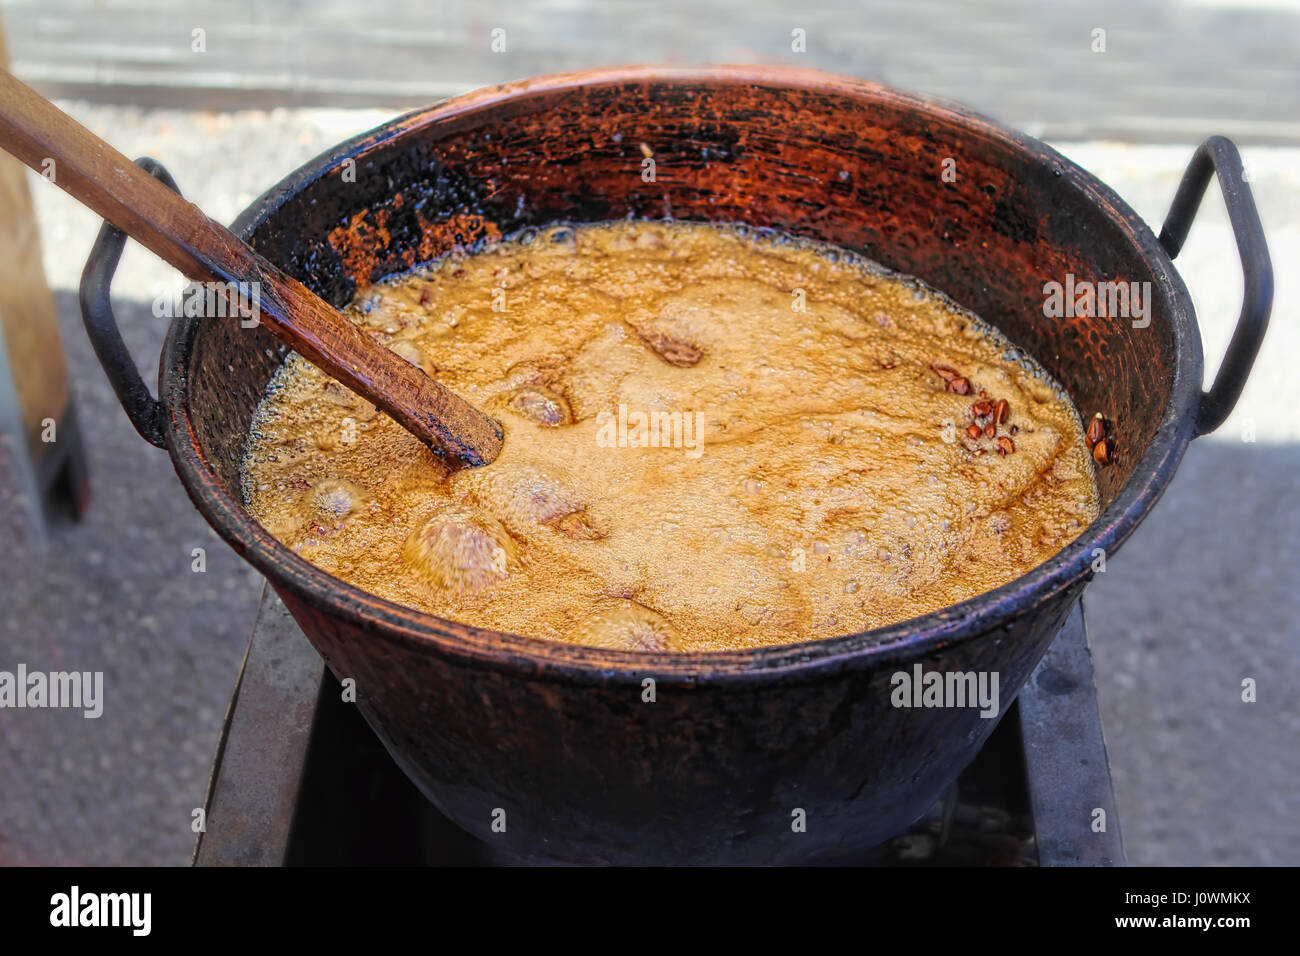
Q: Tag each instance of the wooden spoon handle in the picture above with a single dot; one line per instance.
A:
(91, 171)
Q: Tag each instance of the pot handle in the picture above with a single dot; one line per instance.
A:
(1218, 155)
(147, 414)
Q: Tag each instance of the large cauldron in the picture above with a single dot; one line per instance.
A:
(558, 742)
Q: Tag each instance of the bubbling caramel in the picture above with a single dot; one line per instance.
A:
(716, 438)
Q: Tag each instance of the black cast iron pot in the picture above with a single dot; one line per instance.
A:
(557, 742)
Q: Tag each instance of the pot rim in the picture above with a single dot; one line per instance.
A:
(539, 658)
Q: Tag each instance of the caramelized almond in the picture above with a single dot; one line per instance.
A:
(990, 430)
(1002, 412)
(973, 432)
(982, 407)
(959, 385)
(1096, 430)
(1005, 445)
(676, 352)
(1099, 453)
(945, 372)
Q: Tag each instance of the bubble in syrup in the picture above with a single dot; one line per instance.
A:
(344, 397)
(521, 499)
(412, 353)
(541, 405)
(337, 394)
(578, 525)
(460, 549)
(625, 625)
(334, 496)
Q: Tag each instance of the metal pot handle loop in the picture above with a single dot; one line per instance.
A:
(1218, 155)
(147, 414)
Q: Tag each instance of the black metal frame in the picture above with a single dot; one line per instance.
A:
(299, 778)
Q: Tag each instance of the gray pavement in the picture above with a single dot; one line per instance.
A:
(117, 594)
(1165, 67)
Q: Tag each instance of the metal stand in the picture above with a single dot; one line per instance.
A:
(300, 779)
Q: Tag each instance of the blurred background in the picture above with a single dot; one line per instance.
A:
(232, 96)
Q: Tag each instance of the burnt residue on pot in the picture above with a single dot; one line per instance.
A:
(394, 236)
(1013, 220)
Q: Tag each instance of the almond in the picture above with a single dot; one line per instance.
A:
(945, 372)
(1096, 430)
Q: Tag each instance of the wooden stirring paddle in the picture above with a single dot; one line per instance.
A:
(92, 172)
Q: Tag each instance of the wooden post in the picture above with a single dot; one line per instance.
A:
(41, 455)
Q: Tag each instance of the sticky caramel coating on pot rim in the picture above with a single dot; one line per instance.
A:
(715, 439)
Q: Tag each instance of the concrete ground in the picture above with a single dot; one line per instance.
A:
(1200, 598)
